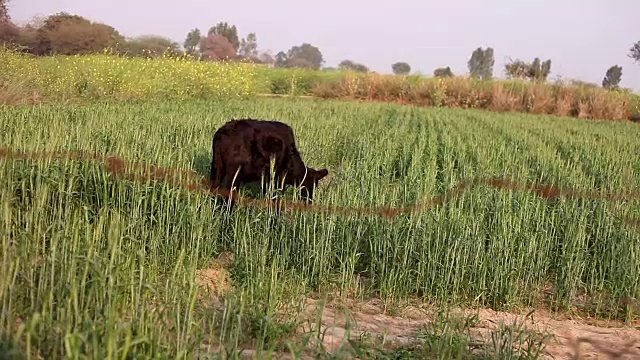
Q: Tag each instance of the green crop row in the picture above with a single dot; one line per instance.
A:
(106, 267)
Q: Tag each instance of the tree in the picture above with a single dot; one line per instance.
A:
(534, 71)
(229, 32)
(481, 63)
(545, 70)
(350, 65)
(401, 68)
(539, 71)
(217, 47)
(516, 69)
(281, 59)
(303, 56)
(67, 34)
(22, 38)
(305, 53)
(192, 41)
(443, 72)
(249, 47)
(150, 46)
(4, 12)
(634, 52)
(266, 58)
(612, 78)
(9, 32)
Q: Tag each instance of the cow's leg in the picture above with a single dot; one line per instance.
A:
(220, 186)
(306, 195)
(226, 191)
(230, 203)
(226, 183)
(222, 193)
(277, 184)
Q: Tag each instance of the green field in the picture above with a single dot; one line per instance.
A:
(102, 77)
(95, 266)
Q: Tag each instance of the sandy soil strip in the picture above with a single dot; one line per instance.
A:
(573, 339)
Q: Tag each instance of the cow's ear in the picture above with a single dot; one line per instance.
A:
(321, 173)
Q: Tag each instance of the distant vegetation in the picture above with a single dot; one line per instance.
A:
(528, 90)
(26, 79)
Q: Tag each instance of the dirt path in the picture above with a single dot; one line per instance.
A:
(573, 339)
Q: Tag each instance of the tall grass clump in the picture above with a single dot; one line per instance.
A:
(493, 95)
(96, 265)
(27, 79)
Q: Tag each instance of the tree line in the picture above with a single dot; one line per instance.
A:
(70, 34)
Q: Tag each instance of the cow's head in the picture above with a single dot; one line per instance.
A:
(310, 181)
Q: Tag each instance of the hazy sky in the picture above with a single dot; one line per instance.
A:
(582, 38)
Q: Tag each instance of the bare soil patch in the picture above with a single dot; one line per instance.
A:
(571, 339)
(339, 321)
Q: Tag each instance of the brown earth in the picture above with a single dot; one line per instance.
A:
(571, 338)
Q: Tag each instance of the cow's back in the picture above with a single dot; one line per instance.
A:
(249, 128)
(252, 143)
(243, 132)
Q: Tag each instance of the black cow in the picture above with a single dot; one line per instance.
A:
(246, 146)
